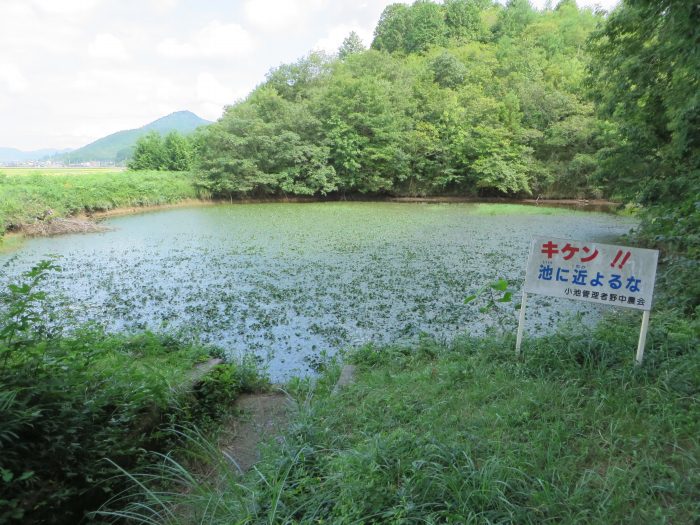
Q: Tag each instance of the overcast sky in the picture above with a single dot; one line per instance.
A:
(72, 71)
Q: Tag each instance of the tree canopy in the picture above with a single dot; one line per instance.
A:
(467, 97)
(645, 79)
(174, 152)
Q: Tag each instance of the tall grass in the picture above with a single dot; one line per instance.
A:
(27, 197)
(71, 396)
(466, 433)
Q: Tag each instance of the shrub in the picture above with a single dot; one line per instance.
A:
(67, 402)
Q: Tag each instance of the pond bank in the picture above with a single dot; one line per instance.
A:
(87, 221)
(461, 432)
(582, 204)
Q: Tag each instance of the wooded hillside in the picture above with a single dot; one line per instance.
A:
(465, 97)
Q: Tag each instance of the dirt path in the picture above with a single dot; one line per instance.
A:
(262, 416)
(259, 417)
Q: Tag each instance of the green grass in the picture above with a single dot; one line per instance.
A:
(67, 403)
(27, 196)
(60, 171)
(466, 433)
(519, 209)
(124, 357)
(73, 395)
(75, 407)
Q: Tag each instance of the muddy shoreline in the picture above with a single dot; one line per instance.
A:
(585, 204)
(89, 222)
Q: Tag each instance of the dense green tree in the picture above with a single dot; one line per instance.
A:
(646, 78)
(463, 19)
(352, 44)
(390, 33)
(149, 153)
(153, 152)
(448, 71)
(516, 16)
(293, 81)
(463, 97)
(365, 126)
(265, 146)
(177, 151)
(411, 29)
(426, 27)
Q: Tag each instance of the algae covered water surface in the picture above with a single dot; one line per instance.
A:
(290, 282)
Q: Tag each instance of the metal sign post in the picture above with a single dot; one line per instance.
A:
(642, 338)
(592, 272)
(521, 324)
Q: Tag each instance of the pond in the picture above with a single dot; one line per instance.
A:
(292, 282)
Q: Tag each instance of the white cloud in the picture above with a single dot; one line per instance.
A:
(14, 9)
(107, 46)
(335, 36)
(209, 89)
(123, 85)
(171, 48)
(64, 6)
(169, 91)
(213, 95)
(12, 79)
(273, 15)
(108, 99)
(213, 40)
(26, 30)
(164, 5)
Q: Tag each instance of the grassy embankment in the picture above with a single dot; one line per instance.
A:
(27, 195)
(72, 397)
(466, 433)
(31, 195)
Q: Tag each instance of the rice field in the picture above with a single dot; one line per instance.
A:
(19, 171)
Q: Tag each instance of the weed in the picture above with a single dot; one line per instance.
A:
(465, 433)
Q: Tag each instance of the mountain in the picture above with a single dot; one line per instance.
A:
(10, 155)
(118, 146)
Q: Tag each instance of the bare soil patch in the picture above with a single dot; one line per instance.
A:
(60, 226)
(132, 210)
(259, 417)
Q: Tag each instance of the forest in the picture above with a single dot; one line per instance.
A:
(470, 98)
(473, 98)
(463, 98)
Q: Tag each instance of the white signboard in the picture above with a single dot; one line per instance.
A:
(591, 271)
(594, 272)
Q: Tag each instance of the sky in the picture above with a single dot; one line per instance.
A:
(72, 71)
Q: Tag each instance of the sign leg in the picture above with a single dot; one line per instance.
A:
(642, 338)
(521, 325)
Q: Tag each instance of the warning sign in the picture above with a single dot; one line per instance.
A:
(590, 271)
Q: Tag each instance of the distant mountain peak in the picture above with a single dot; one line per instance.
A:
(183, 112)
(183, 121)
(118, 146)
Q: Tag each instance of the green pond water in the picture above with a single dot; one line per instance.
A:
(288, 282)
